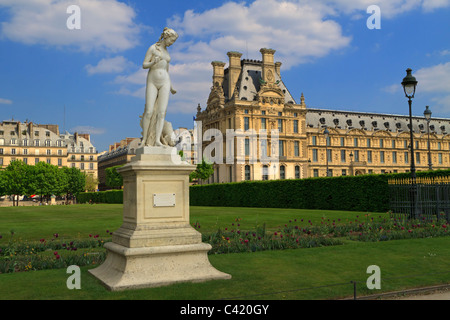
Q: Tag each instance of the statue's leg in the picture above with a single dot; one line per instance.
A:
(150, 101)
(160, 109)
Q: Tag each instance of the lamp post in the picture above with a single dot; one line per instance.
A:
(409, 84)
(427, 115)
(327, 134)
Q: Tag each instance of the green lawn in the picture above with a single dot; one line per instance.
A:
(284, 274)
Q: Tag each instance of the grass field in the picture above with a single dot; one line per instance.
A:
(274, 275)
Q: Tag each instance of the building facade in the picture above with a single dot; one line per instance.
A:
(33, 143)
(249, 105)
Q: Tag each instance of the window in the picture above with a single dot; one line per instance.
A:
(47, 133)
(246, 111)
(406, 157)
(49, 161)
(91, 167)
(1, 150)
(330, 173)
(342, 142)
(394, 157)
(418, 157)
(368, 143)
(25, 151)
(356, 155)
(263, 124)
(247, 147)
(314, 140)
(316, 172)
(343, 156)
(25, 142)
(49, 152)
(297, 172)
(439, 146)
(82, 157)
(73, 165)
(280, 125)
(47, 143)
(381, 143)
(36, 160)
(36, 143)
(246, 123)
(281, 148)
(282, 172)
(265, 175)
(382, 156)
(369, 156)
(82, 166)
(13, 151)
(440, 157)
(229, 123)
(36, 133)
(405, 144)
(315, 155)
(328, 141)
(25, 160)
(13, 141)
(230, 171)
(1, 161)
(416, 143)
(296, 149)
(59, 152)
(329, 155)
(393, 143)
(247, 172)
(60, 162)
(355, 142)
(295, 126)
(344, 172)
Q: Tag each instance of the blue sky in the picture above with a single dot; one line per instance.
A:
(91, 79)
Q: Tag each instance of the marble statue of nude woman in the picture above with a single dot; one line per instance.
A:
(155, 130)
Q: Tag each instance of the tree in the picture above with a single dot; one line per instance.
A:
(76, 181)
(113, 178)
(16, 180)
(204, 171)
(91, 183)
(47, 180)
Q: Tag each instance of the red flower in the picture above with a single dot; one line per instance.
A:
(57, 256)
(55, 253)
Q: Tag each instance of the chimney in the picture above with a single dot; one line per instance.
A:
(268, 72)
(218, 72)
(234, 70)
(278, 68)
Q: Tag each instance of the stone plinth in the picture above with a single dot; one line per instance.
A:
(155, 245)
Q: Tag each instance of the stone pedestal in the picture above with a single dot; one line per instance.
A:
(155, 245)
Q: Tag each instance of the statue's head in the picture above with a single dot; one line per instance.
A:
(169, 36)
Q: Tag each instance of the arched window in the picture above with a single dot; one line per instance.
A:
(282, 172)
(297, 172)
(247, 172)
(265, 175)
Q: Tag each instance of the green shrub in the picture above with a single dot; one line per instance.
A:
(350, 193)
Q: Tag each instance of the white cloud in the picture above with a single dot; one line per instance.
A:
(109, 65)
(88, 129)
(434, 79)
(299, 31)
(105, 24)
(5, 101)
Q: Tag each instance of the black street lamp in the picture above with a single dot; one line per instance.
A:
(409, 84)
(327, 134)
(427, 115)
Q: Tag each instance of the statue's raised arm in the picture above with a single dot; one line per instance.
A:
(155, 130)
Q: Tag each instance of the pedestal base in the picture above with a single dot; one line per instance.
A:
(134, 268)
(155, 246)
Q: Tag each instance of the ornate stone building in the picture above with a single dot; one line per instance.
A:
(250, 100)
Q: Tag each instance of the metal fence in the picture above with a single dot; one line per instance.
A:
(426, 198)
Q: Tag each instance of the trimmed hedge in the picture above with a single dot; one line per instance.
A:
(348, 193)
(111, 196)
